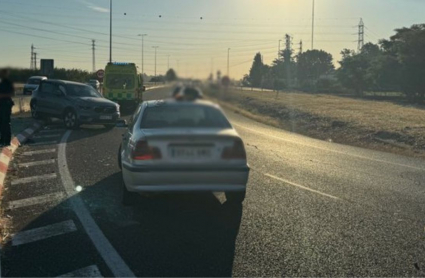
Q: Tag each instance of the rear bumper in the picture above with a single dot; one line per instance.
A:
(189, 179)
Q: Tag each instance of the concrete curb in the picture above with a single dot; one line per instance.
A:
(7, 153)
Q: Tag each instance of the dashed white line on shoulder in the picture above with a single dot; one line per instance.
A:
(301, 186)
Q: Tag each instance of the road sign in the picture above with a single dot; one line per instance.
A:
(47, 67)
(100, 74)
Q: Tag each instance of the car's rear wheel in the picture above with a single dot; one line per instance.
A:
(70, 119)
(235, 197)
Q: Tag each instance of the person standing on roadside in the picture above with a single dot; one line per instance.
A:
(7, 91)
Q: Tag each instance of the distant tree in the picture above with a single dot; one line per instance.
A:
(355, 71)
(407, 48)
(245, 80)
(159, 78)
(171, 75)
(225, 81)
(256, 71)
(313, 64)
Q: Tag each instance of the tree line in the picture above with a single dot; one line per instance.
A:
(396, 64)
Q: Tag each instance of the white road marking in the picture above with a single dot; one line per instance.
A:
(36, 200)
(36, 163)
(326, 149)
(43, 232)
(43, 143)
(46, 136)
(39, 152)
(34, 178)
(301, 186)
(90, 271)
(108, 253)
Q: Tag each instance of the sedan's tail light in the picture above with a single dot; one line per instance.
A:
(237, 151)
(142, 151)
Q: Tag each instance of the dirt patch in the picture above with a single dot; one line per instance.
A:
(370, 124)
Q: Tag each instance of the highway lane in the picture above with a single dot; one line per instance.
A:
(313, 208)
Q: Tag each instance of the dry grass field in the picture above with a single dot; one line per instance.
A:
(373, 124)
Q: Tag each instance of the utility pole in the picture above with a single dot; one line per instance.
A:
(110, 31)
(360, 42)
(35, 60)
(228, 59)
(93, 48)
(287, 58)
(156, 47)
(312, 26)
(301, 47)
(142, 35)
(32, 57)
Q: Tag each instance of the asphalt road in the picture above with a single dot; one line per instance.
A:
(313, 208)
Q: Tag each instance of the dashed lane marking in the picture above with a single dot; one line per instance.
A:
(34, 178)
(301, 186)
(39, 152)
(43, 232)
(43, 143)
(90, 271)
(53, 197)
(36, 163)
(46, 136)
(108, 253)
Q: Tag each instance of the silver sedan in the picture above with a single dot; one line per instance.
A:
(182, 146)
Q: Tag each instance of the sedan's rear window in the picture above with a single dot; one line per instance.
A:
(183, 116)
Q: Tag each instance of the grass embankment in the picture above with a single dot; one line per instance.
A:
(371, 124)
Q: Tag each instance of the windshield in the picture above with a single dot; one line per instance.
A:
(120, 81)
(81, 91)
(34, 81)
(183, 116)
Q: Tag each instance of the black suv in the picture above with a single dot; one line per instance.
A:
(75, 103)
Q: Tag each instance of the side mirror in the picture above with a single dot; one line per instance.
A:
(143, 88)
(121, 123)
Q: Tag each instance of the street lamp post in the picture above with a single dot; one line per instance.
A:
(142, 35)
(155, 47)
(110, 31)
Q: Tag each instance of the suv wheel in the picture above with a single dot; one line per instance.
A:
(70, 119)
(34, 113)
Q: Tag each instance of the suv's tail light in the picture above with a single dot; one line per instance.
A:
(237, 151)
(142, 151)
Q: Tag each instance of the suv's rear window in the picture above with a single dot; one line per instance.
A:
(183, 116)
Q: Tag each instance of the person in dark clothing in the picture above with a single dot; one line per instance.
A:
(7, 90)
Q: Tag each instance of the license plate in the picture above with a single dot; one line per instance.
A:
(190, 153)
(105, 117)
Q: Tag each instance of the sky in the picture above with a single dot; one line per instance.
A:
(193, 36)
